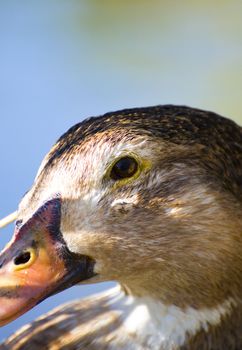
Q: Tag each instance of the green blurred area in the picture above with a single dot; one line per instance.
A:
(186, 52)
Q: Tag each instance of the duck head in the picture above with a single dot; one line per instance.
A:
(148, 197)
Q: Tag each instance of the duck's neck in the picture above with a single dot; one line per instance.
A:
(153, 325)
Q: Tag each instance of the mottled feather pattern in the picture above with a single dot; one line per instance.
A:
(218, 138)
(172, 234)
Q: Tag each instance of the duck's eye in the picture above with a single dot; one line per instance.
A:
(124, 168)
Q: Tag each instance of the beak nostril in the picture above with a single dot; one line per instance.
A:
(22, 258)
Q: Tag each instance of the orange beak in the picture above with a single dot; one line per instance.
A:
(37, 263)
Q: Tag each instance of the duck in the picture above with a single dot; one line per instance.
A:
(150, 198)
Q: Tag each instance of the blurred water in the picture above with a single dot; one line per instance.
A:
(62, 60)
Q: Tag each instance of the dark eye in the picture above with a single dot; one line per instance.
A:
(124, 168)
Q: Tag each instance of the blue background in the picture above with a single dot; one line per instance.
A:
(61, 61)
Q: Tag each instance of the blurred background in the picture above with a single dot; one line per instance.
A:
(61, 61)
